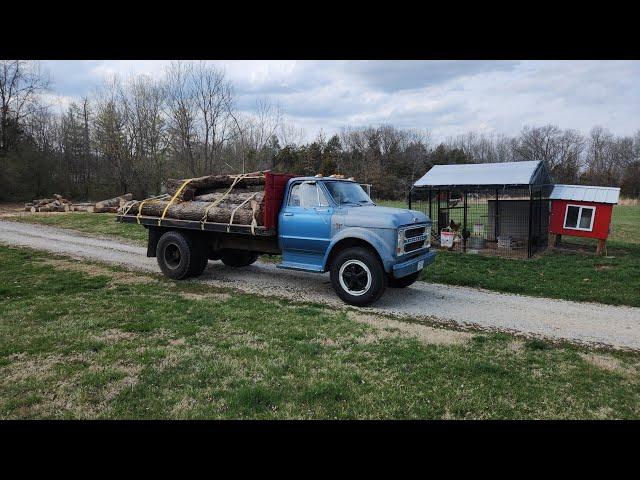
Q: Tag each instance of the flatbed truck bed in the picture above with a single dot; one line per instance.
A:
(196, 225)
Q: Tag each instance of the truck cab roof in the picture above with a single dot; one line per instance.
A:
(315, 179)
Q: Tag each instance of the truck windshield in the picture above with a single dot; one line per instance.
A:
(347, 192)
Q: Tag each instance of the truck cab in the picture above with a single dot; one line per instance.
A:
(329, 224)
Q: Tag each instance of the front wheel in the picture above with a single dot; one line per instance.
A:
(404, 281)
(357, 276)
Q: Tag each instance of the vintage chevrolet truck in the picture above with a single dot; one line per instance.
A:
(317, 224)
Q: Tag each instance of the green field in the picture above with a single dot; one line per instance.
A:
(83, 340)
(612, 279)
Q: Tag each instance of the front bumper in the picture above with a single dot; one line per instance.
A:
(410, 266)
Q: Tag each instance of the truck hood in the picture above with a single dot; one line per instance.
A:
(381, 217)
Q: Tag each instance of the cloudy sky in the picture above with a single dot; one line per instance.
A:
(445, 97)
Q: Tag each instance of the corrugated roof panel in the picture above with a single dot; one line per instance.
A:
(507, 173)
(589, 195)
(585, 193)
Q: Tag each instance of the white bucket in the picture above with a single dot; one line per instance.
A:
(446, 239)
(478, 229)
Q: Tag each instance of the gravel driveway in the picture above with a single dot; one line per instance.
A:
(554, 319)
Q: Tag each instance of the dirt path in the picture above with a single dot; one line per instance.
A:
(554, 319)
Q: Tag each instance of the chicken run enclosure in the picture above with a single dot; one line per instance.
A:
(494, 208)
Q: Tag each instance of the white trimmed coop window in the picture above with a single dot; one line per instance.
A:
(578, 217)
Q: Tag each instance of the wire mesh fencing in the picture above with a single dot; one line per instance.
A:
(507, 222)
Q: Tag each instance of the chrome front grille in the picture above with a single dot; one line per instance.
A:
(413, 238)
(414, 232)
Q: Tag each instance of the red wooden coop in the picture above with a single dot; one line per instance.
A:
(581, 211)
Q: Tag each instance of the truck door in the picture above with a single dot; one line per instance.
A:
(305, 226)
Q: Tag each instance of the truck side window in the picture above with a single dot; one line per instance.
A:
(307, 195)
(312, 196)
(294, 197)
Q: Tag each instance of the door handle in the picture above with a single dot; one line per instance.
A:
(288, 214)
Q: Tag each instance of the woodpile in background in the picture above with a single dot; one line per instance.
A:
(61, 204)
(55, 204)
(208, 199)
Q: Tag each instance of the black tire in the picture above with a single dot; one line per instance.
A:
(238, 258)
(361, 272)
(404, 281)
(178, 255)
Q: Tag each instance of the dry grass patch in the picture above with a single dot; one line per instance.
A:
(95, 270)
(516, 346)
(22, 368)
(388, 327)
(114, 335)
(608, 363)
(218, 297)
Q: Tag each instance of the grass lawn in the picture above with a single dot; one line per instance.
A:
(614, 279)
(81, 340)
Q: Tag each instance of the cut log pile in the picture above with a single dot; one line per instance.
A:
(111, 205)
(236, 199)
(55, 204)
(61, 204)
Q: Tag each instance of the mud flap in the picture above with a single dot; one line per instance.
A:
(152, 244)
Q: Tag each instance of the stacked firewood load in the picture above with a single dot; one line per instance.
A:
(60, 204)
(236, 199)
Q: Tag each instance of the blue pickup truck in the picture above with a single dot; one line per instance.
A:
(319, 224)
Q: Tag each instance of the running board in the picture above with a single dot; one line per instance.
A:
(305, 267)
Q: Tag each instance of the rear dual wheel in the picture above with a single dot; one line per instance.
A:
(181, 255)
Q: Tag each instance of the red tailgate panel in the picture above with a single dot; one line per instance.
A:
(274, 187)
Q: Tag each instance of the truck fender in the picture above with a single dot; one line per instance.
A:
(366, 235)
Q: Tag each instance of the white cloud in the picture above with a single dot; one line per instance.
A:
(447, 98)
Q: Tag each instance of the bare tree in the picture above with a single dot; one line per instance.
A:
(21, 82)
(181, 112)
(110, 134)
(560, 150)
(290, 135)
(213, 98)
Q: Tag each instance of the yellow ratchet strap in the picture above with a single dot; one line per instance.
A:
(221, 199)
(140, 209)
(176, 195)
(236, 209)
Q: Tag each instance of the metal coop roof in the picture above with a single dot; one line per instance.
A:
(585, 193)
(506, 173)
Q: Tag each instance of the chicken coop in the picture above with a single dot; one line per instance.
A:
(582, 211)
(490, 208)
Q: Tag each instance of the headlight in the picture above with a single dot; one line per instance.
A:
(427, 232)
(400, 244)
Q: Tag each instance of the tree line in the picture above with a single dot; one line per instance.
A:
(129, 135)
